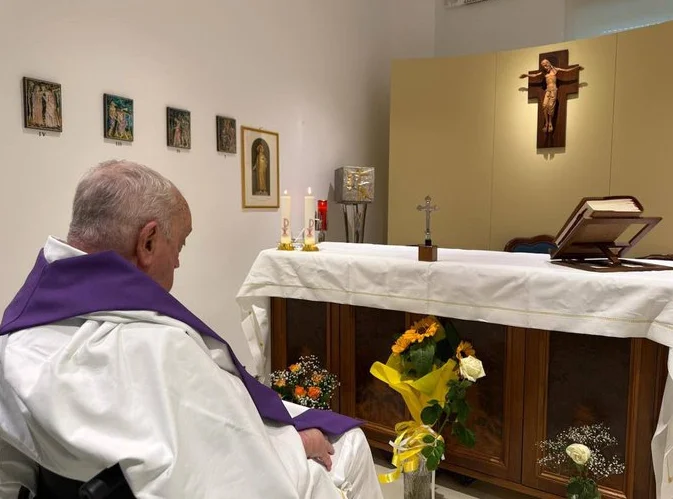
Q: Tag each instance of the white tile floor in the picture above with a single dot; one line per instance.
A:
(447, 487)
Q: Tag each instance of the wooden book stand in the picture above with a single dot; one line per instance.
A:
(592, 244)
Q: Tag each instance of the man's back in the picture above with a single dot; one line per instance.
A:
(124, 388)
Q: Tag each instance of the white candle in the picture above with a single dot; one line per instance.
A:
(309, 218)
(285, 211)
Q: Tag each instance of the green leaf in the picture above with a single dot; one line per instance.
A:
(440, 448)
(428, 439)
(426, 452)
(452, 336)
(470, 439)
(443, 352)
(465, 436)
(430, 414)
(465, 384)
(462, 410)
(433, 462)
(575, 487)
(422, 355)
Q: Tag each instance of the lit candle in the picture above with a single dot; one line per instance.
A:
(285, 211)
(309, 219)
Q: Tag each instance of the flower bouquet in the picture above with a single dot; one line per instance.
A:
(432, 370)
(580, 453)
(305, 383)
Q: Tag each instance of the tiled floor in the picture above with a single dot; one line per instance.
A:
(447, 488)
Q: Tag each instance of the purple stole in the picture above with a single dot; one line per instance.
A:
(101, 282)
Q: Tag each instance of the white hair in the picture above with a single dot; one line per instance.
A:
(115, 199)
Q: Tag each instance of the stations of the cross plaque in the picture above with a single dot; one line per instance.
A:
(550, 86)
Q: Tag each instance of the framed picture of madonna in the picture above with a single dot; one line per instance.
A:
(259, 168)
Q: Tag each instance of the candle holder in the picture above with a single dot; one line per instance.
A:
(285, 247)
(310, 247)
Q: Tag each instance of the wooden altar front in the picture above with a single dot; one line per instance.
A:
(538, 383)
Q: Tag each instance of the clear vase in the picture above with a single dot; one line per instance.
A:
(419, 484)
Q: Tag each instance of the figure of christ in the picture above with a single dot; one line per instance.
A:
(551, 90)
(37, 106)
(51, 110)
(121, 124)
(177, 133)
(112, 119)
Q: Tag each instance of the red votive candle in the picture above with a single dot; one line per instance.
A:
(322, 213)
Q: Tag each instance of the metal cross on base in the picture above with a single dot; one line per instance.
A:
(428, 209)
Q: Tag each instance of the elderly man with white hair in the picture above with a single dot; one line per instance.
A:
(100, 365)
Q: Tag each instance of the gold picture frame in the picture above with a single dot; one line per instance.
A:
(260, 172)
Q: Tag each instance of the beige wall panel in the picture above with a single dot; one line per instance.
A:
(642, 163)
(534, 191)
(441, 144)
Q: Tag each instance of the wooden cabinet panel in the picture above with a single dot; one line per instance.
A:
(538, 383)
(370, 334)
(576, 379)
(496, 402)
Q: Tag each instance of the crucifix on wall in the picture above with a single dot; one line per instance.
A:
(551, 86)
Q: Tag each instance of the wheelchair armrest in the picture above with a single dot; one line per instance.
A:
(108, 484)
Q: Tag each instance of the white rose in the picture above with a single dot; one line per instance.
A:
(471, 368)
(579, 453)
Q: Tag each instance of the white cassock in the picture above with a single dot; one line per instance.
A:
(151, 393)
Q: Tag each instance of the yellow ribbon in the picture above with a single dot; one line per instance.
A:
(407, 448)
(416, 392)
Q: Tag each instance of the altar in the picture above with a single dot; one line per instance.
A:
(560, 346)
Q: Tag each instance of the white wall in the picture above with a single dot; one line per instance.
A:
(588, 18)
(497, 25)
(316, 72)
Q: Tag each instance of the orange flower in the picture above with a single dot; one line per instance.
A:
(314, 392)
(465, 349)
(299, 391)
(402, 343)
(280, 382)
(426, 328)
(316, 378)
(295, 367)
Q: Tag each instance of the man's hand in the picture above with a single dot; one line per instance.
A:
(317, 447)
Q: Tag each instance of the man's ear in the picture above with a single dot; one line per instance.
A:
(147, 244)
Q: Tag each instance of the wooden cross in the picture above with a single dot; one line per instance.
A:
(550, 86)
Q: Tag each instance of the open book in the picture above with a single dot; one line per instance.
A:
(613, 207)
(600, 231)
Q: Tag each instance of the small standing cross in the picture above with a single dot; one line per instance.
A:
(428, 209)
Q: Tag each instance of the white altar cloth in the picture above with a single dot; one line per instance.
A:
(514, 289)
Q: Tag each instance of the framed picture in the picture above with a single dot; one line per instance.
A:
(118, 112)
(226, 134)
(179, 128)
(259, 168)
(42, 105)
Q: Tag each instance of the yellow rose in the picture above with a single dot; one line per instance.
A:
(471, 368)
(579, 453)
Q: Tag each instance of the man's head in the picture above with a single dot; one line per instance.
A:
(128, 208)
